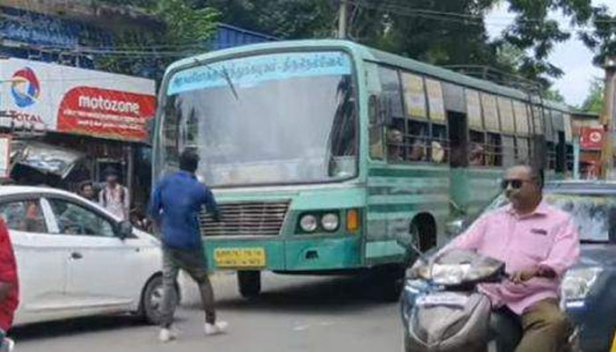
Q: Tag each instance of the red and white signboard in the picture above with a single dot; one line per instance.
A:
(591, 138)
(72, 100)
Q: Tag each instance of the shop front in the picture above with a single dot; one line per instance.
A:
(67, 125)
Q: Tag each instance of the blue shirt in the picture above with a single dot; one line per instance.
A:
(176, 203)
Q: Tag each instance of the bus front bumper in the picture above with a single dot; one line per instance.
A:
(299, 253)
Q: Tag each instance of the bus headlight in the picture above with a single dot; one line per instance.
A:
(309, 223)
(578, 282)
(330, 222)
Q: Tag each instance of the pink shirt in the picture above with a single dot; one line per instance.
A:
(547, 237)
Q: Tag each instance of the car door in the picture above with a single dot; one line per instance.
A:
(41, 258)
(103, 269)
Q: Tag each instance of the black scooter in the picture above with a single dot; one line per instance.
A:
(443, 311)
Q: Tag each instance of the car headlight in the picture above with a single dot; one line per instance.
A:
(330, 222)
(578, 282)
(309, 223)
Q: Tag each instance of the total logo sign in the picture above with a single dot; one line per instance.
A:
(25, 87)
(25, 90)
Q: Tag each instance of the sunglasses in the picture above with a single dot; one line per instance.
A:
(515, 183)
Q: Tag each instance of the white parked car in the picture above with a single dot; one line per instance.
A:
(75, 259)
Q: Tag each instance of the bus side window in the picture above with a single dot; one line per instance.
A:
(494, 150)
(477, 148)
(523, 150)
(508, 150)
(439, 147)
(395, 141)
(376, 131)
(391, 90)
(570, 158)
(551, 153)
(417, 141)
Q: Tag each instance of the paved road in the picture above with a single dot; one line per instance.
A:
(293, 314)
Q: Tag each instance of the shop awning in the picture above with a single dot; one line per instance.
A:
(46, 158)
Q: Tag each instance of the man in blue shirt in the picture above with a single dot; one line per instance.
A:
(176, 203)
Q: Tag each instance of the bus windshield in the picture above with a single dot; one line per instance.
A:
(267, 119)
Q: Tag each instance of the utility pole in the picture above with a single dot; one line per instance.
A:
(607, 118)
(342, 19)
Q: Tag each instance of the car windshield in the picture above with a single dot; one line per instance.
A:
(266, 119)
(594, 214)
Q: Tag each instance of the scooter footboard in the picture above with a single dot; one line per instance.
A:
(448, 321)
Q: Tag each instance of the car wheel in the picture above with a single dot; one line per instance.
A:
(152, 299)
(249, 283)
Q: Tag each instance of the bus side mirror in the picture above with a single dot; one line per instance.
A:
(455, 227)
(149, 129)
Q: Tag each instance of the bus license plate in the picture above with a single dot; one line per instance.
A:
(234, 258)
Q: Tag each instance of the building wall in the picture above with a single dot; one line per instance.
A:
(229, 36)
(30, 35)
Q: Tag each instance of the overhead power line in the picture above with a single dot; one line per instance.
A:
(467, 15)
(405, 11)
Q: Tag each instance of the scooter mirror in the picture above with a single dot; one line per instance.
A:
(456, 226)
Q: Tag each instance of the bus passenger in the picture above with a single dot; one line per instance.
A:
(439, 155)
(476, 155)
(395, 140)
(417, 150)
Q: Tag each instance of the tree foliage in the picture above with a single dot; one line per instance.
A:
(438, 32)
(185, 23)
(185, 29)
(435, 31)
(594, 100)
(602, 39)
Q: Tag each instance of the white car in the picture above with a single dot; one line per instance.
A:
(75, 259)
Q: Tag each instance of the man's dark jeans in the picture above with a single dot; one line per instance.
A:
(192, 262)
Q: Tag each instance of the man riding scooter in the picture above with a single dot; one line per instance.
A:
(537, 243)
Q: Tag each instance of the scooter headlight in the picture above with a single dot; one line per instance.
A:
(448, 274)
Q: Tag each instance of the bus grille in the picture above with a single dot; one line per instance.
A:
(245, 219)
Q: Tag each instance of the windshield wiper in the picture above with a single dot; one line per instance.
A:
(224, 74)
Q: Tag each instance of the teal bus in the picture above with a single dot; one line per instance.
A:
(323, 153)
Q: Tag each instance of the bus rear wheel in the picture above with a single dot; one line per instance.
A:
(249, 283)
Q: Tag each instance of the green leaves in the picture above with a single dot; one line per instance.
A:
(186, 25)
(594, 100)
(441, 32)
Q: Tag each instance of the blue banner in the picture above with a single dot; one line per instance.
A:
(257, 69)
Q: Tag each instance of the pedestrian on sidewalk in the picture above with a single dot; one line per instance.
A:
(9, 287)
(176, 203)
(114, 197)
(87, 191)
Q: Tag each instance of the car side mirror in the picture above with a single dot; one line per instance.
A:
(125, 230)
